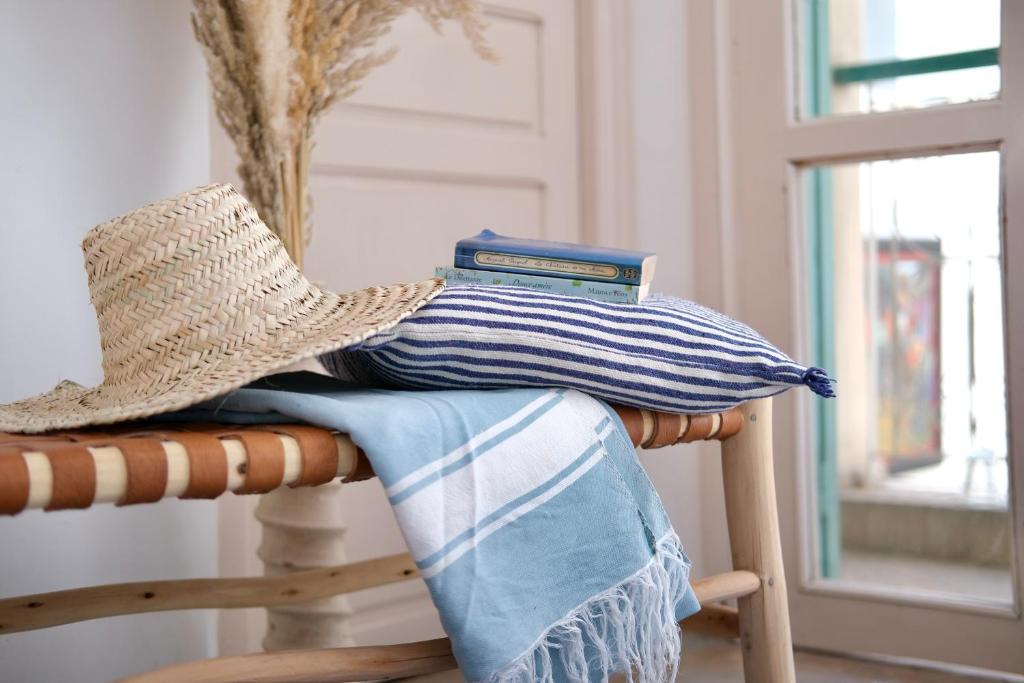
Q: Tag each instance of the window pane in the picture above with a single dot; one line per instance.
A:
(879, 55)
(907, 307)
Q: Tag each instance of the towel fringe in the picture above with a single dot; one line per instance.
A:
(629, 628)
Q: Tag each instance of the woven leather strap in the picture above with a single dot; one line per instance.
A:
(319, 454)
(146, 463)
(74, 477)
(14, 482)
(208, 465)
(264, 461)
(150, 451)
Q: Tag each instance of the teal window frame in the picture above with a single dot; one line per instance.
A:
(895, 68)
(820, 232)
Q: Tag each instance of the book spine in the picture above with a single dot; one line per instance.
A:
(598, 291)
(573, 267)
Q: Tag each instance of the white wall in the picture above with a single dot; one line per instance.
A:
(103, 107)
(663, 219)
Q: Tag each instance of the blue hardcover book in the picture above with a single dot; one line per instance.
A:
(491, 251)
(613, 292)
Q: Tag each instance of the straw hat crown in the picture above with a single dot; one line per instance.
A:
(195, 296)
(168, 278)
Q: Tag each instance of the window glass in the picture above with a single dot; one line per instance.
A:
(864, 56)
(906, 282)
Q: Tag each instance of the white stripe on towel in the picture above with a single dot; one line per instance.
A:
(474, 442)
(511, 516)
(434, 515)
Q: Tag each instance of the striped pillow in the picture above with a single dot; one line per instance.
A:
(664, 354)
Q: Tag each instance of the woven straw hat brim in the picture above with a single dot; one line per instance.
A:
(334, 322)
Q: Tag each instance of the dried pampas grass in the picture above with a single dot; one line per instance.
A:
(277, 65)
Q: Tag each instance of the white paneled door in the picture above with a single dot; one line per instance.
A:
(437, 145)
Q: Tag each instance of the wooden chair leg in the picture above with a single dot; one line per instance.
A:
(754, 538)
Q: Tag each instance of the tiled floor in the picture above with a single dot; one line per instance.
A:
(707, 660)
(711, 660)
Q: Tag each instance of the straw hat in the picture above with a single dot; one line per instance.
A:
(194, 297)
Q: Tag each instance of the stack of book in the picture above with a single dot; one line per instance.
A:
(600, 273)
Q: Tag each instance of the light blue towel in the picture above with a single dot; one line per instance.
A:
(544, 545)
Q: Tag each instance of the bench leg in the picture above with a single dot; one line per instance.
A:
(754, 538)
(304, 528)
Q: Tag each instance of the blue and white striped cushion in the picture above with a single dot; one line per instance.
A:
(665, 354)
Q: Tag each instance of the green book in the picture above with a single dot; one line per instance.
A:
(598, 291)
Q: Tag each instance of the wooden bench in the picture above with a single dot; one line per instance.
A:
(139, 464)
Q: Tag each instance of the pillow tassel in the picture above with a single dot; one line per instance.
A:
(819, 382)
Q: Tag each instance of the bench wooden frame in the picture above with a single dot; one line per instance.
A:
(761, 619)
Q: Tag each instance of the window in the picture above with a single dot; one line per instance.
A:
(913, 454)
(878, 237)
(881, 55)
